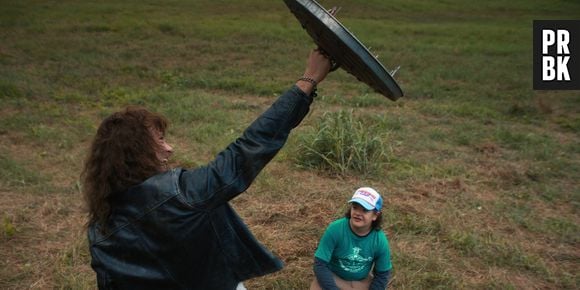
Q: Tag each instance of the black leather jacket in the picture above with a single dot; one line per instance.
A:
(176, 230)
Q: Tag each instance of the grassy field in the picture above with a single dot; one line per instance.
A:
(480, 173)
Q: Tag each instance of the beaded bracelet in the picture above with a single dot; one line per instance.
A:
(310, 80)
(313, 94)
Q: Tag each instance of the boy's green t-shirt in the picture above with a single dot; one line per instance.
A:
(350, 256)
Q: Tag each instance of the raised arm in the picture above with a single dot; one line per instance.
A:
(234, 169)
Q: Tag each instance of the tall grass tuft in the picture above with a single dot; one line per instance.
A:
(342, 144)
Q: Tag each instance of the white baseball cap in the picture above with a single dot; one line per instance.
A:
(368, 198)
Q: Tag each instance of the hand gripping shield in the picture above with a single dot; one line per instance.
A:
(344, 49)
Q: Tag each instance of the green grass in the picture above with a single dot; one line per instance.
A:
(475, 165)
(423, 272)
(496, 253)
(16, 173)
(8, 228)
(342, 144)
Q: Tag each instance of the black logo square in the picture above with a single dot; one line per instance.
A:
(556, 54)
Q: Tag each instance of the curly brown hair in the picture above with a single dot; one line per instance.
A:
(122, 154)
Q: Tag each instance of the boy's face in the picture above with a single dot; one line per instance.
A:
(361, 219)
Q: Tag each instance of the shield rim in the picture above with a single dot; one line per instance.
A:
(383, 82)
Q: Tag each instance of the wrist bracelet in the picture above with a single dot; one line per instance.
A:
(310, 80)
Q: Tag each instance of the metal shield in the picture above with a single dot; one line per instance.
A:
(343, 47)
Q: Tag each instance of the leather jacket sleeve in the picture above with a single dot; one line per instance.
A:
(234, 169)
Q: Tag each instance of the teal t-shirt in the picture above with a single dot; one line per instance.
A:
(351, 257)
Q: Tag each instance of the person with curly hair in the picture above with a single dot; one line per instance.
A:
(155, 227)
